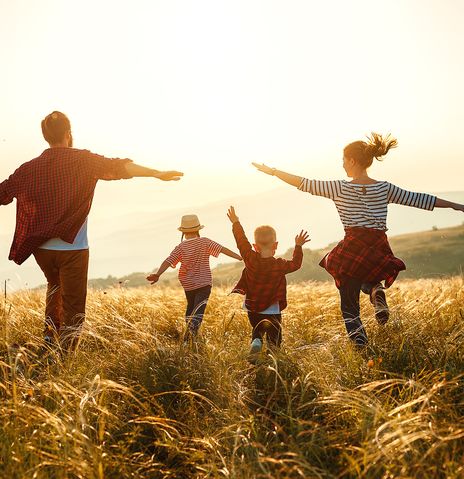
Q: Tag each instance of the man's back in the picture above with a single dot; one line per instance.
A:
(54, 193)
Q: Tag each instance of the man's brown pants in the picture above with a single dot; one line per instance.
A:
(66, 273)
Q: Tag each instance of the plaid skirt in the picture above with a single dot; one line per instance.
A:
(363, 254)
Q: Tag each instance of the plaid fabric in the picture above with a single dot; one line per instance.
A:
(363, 254)
(263, 279)
(54, 193)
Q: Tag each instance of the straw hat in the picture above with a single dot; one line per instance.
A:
(190, 224)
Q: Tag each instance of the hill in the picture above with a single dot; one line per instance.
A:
(139, 241)
(435, 253)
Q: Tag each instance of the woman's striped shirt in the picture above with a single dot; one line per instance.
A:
(366, 205)
(193, 256)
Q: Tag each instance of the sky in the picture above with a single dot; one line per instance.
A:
(206, 87)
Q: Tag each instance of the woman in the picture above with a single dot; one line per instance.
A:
(363, 259)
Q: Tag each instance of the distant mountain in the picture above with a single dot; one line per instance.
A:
(140, 241)
(435, 253)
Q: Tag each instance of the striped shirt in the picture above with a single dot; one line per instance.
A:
(193, 255)
(365, 206)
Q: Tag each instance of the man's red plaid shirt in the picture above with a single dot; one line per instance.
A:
(263, 280)
(54, 194)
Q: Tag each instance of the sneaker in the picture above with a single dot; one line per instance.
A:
(379, 300)
(256, 346)
(254, 356)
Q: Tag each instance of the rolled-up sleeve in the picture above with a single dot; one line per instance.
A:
(103, 168)
(7, 191)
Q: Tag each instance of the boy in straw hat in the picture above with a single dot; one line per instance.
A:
(195, 273)
(263, 281)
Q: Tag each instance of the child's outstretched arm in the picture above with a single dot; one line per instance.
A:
(295, 263)
(439, 203)
(230, 253)
(154, 277)
(293, 180)
(243, 244)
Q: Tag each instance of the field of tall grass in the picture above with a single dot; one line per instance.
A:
(135, 402)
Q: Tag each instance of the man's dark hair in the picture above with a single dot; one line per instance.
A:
(55, 126)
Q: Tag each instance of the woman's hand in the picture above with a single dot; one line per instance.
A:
(169, 175)
(232, 215)
(302, 238)
(153, 278)
(264, 168)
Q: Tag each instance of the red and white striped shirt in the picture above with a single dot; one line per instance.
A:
(193, 255)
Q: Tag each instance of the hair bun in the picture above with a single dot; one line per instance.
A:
(378, 145)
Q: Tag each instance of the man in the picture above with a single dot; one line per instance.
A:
(54, 194)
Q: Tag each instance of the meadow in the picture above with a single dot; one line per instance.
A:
(135, 402)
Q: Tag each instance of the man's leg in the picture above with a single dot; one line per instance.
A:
(46, 259)
(349, 299)
(73, 266)
(199, 305)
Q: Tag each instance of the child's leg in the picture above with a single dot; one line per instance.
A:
(257, 323)
(349, 299)
(274, 329)
(199, 302)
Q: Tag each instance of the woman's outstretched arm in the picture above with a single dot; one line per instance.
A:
(448, 204)
(293, 180)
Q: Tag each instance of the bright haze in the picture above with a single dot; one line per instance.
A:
(207, 87)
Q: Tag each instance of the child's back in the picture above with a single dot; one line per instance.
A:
(193, 255)
(195, 273)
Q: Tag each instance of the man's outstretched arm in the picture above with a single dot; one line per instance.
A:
(135, 170)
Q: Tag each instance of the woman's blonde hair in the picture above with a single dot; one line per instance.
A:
(376, 146)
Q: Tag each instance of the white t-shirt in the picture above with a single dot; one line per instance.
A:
(272, 309)
(81, 241)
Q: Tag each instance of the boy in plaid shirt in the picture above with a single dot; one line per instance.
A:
(263, 280)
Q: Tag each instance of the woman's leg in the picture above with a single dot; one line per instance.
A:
(377, 296)
(349, 299)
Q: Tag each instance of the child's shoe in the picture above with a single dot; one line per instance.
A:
(255, 350)
(256, 346)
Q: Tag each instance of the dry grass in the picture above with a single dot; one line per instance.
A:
(135, 403)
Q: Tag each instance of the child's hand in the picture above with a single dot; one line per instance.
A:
(264, 168)
(232, 215)
(302, 238)
(153, 278)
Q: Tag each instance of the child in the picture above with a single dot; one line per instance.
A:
(364, 258)
(263, 280)
(195, 273)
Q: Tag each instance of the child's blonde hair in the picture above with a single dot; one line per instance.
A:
(265, 235)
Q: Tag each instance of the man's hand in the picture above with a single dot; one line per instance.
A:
(169, 175)
(264, 168)
(302, 238)
(232, 215)
(153, 278)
